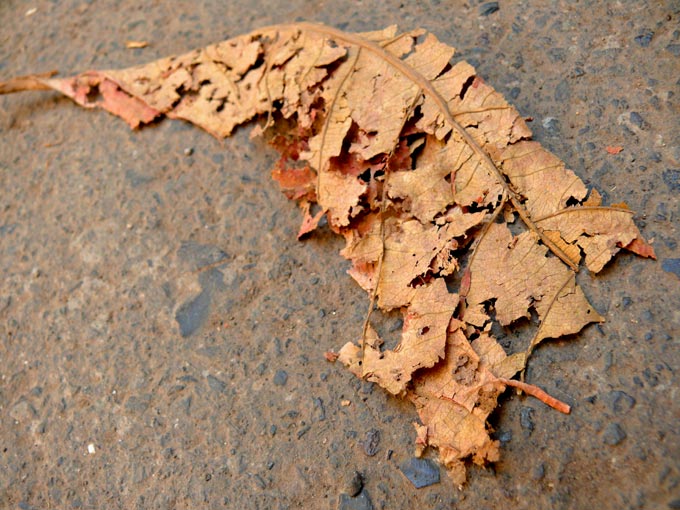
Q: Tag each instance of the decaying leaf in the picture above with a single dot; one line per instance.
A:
(415, 161)
(423, 341)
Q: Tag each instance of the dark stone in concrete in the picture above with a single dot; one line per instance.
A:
(488, 8)
(280, 378)
(613, 434)
(360, 502)
(526, 418)
(671, 266)
(372, 442)
(192, 314)
(671, 177)
(420, 472)
(620, 402)
(354, 484)
(644, 38)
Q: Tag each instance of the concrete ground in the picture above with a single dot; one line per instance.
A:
(162, 332)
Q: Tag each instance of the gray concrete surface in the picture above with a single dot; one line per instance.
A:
(133, 377)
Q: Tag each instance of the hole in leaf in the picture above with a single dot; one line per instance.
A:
(94, 95)
(466, 86)
(365, 175)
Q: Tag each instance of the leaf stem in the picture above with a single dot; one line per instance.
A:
(538, 393)
(587, 209)
(28, 82)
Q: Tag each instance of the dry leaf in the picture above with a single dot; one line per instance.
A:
(415, 161)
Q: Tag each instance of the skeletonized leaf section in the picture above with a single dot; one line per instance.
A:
(410, 250)
(455, 398)
(217, 87)
(422, 344)
(516, 274)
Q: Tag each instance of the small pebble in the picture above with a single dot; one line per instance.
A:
(216, 384)
(193, 313)
(505, 436)
(539, 472)
(644, 38)
(671, 177)
(526, 419)
(671, 266)
(651, 378)
(354, 484)
(620, 401)
(637, 119)
(420, 472)
(488, 8)
(613, 434)
(320, 409)
(303, 431)
(551, 124)
(280, 378)
(372, 442)
(674, 49)
(360, 502)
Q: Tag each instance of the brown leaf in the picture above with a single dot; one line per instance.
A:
(413, 159)
(295, 182)
(330, 356)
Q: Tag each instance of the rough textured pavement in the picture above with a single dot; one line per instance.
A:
(162, 332)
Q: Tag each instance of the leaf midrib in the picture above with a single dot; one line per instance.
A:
(428, 89)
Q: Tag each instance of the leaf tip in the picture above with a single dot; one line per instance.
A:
(642, 248)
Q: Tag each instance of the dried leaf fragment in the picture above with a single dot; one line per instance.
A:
(518, 274)
(423, 339)
(133, 45)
